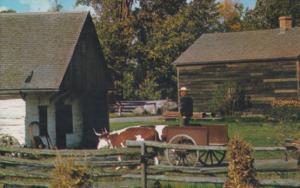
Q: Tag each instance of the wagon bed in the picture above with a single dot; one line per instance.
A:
(203, 135)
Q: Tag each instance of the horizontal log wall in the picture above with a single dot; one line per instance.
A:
(263, 81)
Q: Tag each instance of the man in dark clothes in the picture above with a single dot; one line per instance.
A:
(186, 106)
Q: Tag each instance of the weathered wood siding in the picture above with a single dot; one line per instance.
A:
(87, 70)
(263, 81)
(86, 77)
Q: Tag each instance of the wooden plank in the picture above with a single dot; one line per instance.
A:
(215, 180)
(298, 78)
(260, 166)
(286, 91)
(130, 143)
(46, 164)
(143, 166)
(46, 153)
(280, 80)
(179, 178)
(261, 98)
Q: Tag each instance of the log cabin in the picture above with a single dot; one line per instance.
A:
(55, 63)
(265, 62)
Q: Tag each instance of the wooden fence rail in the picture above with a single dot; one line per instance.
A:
(193, 147)
(215, 180)
(46, 153)
(151, 144)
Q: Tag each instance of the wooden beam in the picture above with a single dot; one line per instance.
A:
(173, 146)
(143, 165)
(215, 180)
(298, 78)
(280, 80)
(193, 147)
(46, 153)
(260, 166)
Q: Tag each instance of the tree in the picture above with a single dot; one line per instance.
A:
(231, 14)
(8, 11)
(139, 44)
(165, 38)
(56, 6)
(266, 13)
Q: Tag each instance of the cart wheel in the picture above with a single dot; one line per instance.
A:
(179, 157)
(211, 157)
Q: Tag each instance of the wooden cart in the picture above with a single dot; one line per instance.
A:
(204, 135)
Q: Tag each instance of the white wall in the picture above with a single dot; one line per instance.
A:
(32, 114)
(32, 103)
(12, 117)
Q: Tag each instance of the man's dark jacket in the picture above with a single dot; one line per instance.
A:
(186, 106)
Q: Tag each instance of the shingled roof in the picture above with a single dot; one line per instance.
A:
(37, 47)
(243, 46)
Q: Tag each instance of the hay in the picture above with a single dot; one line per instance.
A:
(241, 171)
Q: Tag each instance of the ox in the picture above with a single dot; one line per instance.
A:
(117, 139)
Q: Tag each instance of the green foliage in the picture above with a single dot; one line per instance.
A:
(8, 11)
(285, 110)
(67, 175)
(56, 6)
(148, 90)
(229, 98)
(143, 42)
(266, 13)
(128, 85)
(241, 171)
(8, 141)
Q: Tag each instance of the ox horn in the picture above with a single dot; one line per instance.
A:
(97, 134)
(105, 130)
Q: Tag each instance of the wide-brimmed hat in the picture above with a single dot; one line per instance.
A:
(183, 89)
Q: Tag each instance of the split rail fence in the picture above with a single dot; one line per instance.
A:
(146, 156)
(19, 166)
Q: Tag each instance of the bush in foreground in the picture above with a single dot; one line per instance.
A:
(241, 171)
(68, 175)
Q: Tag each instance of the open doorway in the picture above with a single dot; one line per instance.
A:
(64, 124)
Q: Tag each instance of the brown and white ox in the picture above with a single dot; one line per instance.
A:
(117, 139)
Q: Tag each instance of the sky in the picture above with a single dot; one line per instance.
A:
(68, 5)
(39, 5)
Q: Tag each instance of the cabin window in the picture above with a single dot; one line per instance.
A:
(43, 120)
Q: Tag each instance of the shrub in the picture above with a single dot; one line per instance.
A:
(241, 171)
(68, 175)
(285, 110)
(8, 141)
(229, 98)
(148, 90)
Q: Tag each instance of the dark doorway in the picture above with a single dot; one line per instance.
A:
(43, 120)
(64, 124)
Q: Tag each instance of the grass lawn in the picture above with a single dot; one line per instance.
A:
(256, 132)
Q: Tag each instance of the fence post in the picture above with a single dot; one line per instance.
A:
(143, 165)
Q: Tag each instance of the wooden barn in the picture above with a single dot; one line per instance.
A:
(55, 63)
(265, 62)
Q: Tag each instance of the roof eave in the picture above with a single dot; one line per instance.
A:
(178, 64)
(17, 91)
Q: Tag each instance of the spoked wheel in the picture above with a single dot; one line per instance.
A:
(181, 157)
(211, 157)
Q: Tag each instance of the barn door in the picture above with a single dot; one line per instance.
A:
(64, 124)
